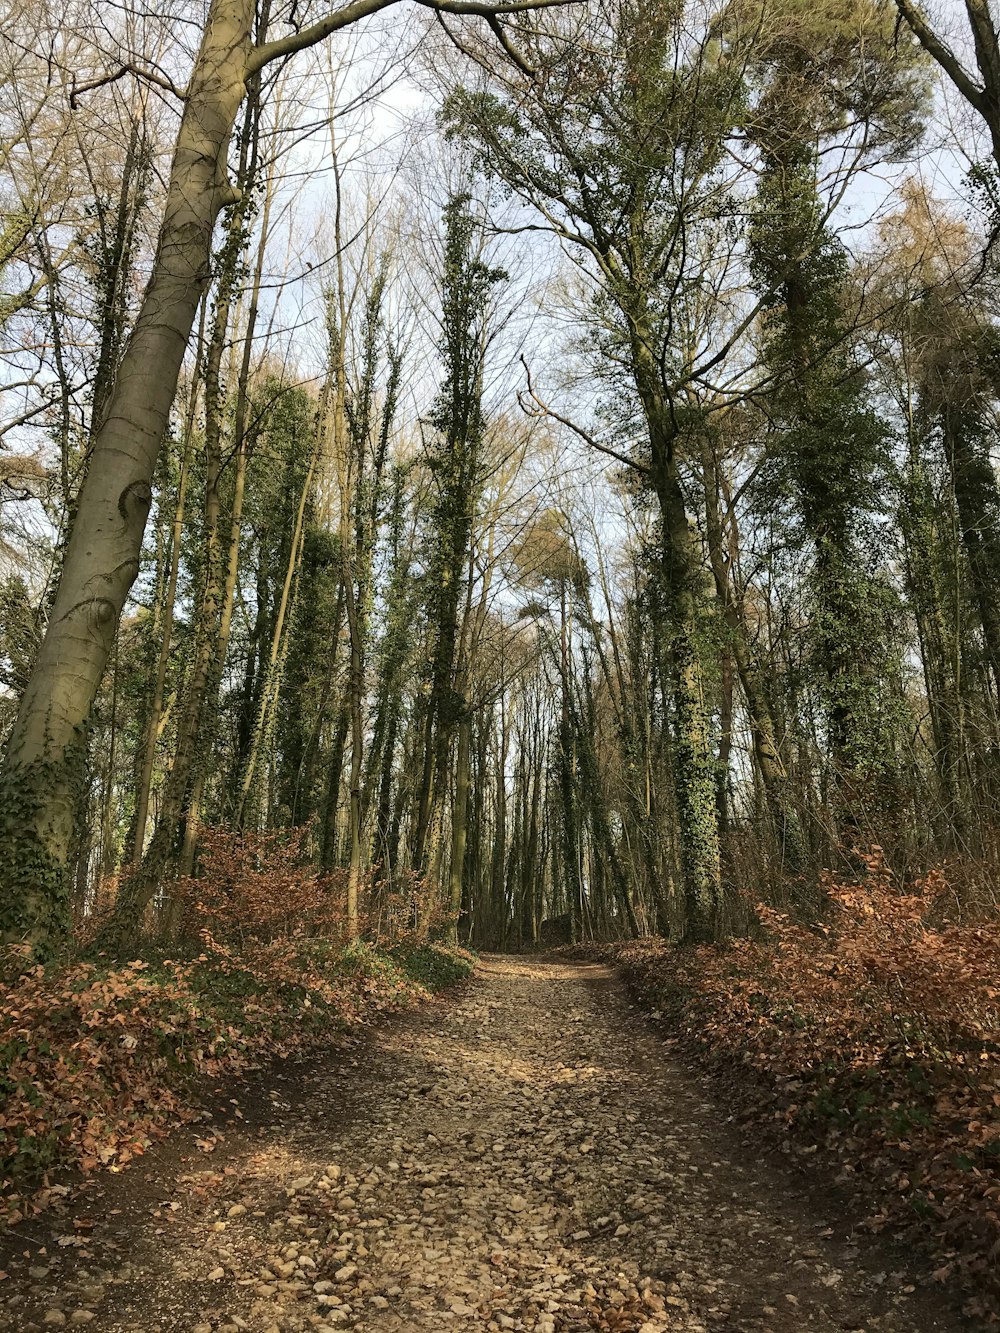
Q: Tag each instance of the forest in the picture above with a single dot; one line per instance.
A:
(567, 489)
(503, 475)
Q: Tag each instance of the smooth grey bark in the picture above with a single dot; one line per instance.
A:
(102, 554)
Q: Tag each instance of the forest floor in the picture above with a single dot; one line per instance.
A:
(522, 1154)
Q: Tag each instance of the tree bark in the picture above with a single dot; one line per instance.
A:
(459, 825)
(42, 769)
(694, 765)
(154, 718)
(271, 682)
(102, 556)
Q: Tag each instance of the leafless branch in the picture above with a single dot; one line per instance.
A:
(543, 409)
(359, 9)
(146, 75)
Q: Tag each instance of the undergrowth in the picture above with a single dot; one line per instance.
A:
(871, 1039)
(99, 1057)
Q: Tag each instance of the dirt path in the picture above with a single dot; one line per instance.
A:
(522, 1157)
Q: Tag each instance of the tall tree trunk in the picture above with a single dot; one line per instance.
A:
(764, 732)
(977, 499)
(190, 811)
(328, 839)
(693, 761)
(568, 781)
(41, 764)
(933, 564)
(41, 775)
(165, 630)
(271, 682)
(459, 825)
(356, 700)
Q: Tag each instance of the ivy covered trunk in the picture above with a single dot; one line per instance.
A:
(832, 465)
(694, 767)
(695, 781)
(967, 438)
(459, 825)
(40, 776)
(934, 569)
(788, 849)
(455, 461)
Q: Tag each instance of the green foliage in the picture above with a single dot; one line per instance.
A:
(302, 703)
(827, 72)
(831, 462)
(437, 966)
(19, 639)
(282, 439)
(35, 903)
(454, 457)
(749, 697)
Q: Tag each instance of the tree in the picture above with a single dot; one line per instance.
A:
(982, 94)
(622, 156)
(40, 769)
(832, 460)
(455, 458)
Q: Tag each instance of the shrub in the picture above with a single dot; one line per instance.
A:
(436, 966)
(96, 1058)
(874, 1036)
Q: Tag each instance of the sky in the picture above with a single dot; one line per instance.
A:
(380, 80)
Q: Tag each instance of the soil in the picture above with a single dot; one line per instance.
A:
(527, 1154)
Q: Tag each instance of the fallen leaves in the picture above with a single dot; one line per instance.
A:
(97, 1061)
(398, 1215)
(874, 1041)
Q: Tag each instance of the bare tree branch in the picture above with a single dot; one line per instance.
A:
(359, 9)
(941, 52)
(146, 75)
(544, 410)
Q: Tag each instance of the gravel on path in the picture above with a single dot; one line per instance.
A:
(528, 1156)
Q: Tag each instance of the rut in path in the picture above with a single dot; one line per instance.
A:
(525, 1156)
